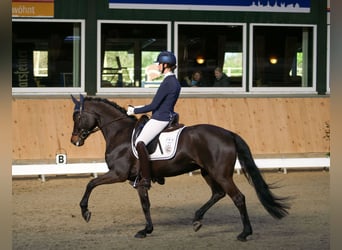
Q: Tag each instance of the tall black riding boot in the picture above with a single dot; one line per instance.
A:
(145, 168)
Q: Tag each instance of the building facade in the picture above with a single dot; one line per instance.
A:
(275, 54)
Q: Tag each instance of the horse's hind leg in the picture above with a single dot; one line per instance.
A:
(217, 194)
(239, 201)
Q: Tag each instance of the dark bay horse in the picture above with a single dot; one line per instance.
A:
(211, 149)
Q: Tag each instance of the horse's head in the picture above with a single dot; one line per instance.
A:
(85, 122)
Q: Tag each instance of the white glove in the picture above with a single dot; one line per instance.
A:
(130, 110)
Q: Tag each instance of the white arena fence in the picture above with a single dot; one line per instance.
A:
(42, 170)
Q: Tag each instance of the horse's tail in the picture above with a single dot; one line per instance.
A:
(275, 206)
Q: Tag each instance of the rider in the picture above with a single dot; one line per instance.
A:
(162, 108)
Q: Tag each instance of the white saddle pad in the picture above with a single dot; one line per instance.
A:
(167, 148)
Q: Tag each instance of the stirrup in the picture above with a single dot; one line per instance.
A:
(136, 182)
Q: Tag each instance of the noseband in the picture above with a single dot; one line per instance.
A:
(83, 134)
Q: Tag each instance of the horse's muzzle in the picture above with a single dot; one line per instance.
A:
(76, 140)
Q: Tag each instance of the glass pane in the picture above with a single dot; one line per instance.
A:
(282, 57)
(128, 52)
(203, 48)
(46, 54)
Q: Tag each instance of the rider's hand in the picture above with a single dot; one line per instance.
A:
(130, 110)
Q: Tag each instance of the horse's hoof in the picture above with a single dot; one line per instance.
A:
(196, 225)
(149, 230)
(141, 234)
(86, 216)
(240, 238)
(243, 236)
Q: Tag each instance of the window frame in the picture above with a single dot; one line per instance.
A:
(328, 51)
(283, 90)
(57, 90)
(215, 91)
(125, 91)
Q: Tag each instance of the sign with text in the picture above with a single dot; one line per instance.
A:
(300, 6)
(32, 8)
(61, 159)
(22, 61)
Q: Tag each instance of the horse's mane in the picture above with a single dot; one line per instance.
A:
(112, 104)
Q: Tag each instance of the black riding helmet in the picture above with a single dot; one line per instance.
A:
(167, 57)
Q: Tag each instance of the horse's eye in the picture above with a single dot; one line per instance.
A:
(76, 117)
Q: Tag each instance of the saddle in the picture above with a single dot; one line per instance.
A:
(151, 147)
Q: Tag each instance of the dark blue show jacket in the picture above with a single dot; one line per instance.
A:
(163, 103)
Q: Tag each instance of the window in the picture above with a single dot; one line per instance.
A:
(205, 46)
(328, 48)
(127, 54)
(47, 56)
(283, 57)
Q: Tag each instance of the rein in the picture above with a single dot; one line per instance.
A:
(114, 120)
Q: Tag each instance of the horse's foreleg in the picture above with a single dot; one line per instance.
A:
(196, 222)
(102, 179)
(217, 194)
(145, 203)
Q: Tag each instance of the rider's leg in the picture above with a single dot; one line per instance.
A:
(144, 162)
(151, 129)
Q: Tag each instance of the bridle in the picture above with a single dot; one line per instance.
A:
(84, 133)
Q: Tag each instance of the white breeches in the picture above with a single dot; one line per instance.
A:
(151, 129)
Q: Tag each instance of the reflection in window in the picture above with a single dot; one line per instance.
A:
(128, 52)
(40, 63)
(113, 74)
(46, 54)
(282, 56)
(203, 47)
(150, 75)
(233, 64)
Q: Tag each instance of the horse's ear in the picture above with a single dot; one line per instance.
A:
(81, 101)
(74, 99)
(77, 103)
